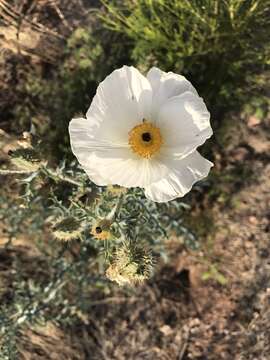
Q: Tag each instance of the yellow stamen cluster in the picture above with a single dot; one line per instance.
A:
(101, 229)
(145, 139)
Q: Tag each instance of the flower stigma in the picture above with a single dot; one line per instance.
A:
(145, 139)
(98, 230)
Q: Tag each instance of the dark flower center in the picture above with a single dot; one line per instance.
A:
(146, 136)
(98, 230)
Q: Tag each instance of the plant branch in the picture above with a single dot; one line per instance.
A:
(15, 172)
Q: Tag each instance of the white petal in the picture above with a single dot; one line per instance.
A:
(122, 100)
(154, 76)
(95, 177)
(184, 173)
(166, 85)
(124, 168)
(80, 137)
(184, 122)
(82, 145)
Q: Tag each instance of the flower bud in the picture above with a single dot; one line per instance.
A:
(131, 265)
(25, 159)
(67, 229)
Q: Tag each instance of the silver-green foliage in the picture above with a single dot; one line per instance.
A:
(62, 204)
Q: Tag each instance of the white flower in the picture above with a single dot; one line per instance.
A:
(144, 131)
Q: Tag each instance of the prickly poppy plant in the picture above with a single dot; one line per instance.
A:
(104, 219)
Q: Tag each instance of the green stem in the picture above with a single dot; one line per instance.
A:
(56, 176)
(115, 211)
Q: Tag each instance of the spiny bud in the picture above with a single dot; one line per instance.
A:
(101, 229)
(67, 229)
(131, 265)
(25, 159)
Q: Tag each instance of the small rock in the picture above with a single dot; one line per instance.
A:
(253, 220)
(166, 330)
(253, 121)
(240, 154)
